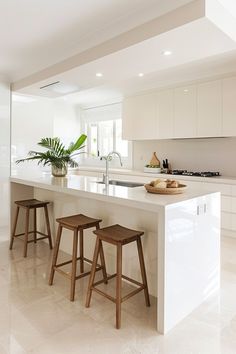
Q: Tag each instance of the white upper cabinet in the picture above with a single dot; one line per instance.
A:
(229, 107)
(165, 114)
(209, 109)
(203, 110)
(140, 117)
(185, 112)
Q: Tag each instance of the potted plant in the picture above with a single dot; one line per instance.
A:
(57, 155)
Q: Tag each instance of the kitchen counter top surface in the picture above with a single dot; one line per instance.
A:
(219, 179)
(88, 188)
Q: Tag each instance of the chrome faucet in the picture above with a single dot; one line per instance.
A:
(108, 158)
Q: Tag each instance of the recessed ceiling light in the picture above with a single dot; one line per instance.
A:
(167, 52)
(140, 74)
(99, 74)
(185, 90)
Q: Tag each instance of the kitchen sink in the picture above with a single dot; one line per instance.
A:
(123, 183)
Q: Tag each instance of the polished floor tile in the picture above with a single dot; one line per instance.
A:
(39, 319)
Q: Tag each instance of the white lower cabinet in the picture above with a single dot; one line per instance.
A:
(226, 223)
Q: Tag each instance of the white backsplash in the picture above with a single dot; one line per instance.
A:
(214, 154)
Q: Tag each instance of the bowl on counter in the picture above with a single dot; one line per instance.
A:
(152, 169)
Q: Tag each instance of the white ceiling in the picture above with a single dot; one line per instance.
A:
(37, 34)
(217, 66)
(201, 49)
(195, 46)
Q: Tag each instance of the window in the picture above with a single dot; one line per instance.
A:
(103, 126)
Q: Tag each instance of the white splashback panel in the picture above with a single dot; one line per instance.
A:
(215, 154)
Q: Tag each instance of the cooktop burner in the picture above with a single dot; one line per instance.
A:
(196, 174)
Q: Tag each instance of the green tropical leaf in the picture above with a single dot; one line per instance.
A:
(78, 144)
(56, 154)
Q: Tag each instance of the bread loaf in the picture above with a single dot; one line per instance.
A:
(173, 184)
(162, 184)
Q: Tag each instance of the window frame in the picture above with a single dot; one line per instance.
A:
(87, 158)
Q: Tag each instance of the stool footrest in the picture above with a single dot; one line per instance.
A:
(132, 293)
(78, 258)
(32, 232)
(100, 292)
(38, 239)
(126, 297)
(102, 281)
(68, 274)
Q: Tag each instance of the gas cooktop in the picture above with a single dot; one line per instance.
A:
(197, 174)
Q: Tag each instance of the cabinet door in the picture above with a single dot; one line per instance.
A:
(209, 109)
(165, 117)
(229, 107)
(185, 112)
(140, 117)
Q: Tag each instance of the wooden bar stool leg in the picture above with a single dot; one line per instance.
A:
(118, 285)
(143, 271)
(81, 250)
(74, 263)
(55, 254)
(35, 225)
(102, 258)
(93, 271)
(103, 264)
(48, 226)
(26, 231)
(14, 227)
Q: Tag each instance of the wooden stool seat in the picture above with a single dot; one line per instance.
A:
(31, 203)
(118, 236)
(77, 223)
(28, 205)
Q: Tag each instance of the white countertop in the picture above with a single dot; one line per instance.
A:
(219, 179)
(83, 186)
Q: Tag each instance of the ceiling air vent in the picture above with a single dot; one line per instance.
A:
(49, 85)
(60, 87)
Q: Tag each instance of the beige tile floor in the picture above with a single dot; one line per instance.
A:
(36, 318)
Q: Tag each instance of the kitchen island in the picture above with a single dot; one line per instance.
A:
(181, 241)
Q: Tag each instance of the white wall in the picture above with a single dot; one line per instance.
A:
(216, 154)
(31, 120)
(34, 118)
(66, 121)
(4, 157)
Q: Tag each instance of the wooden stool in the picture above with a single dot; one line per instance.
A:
(118, 236)
(76, 223)
(28, 205)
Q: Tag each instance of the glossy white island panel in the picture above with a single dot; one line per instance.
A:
(181, 241)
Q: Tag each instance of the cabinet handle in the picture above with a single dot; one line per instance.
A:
(205, 208)
(198, 210)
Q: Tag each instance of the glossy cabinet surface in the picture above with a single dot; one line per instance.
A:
(205, 109)
(192, 255)
(209, 105)
(165, 114)
(185, 112)
(140, 117)
(229, 106)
